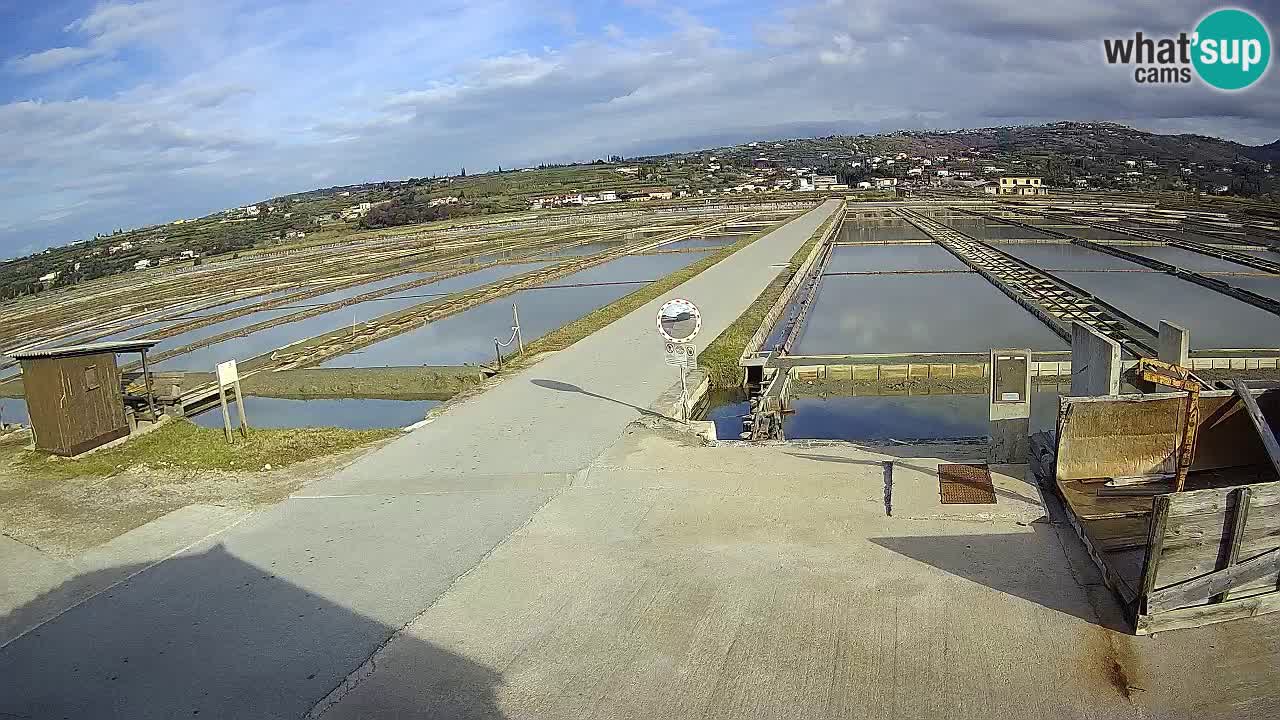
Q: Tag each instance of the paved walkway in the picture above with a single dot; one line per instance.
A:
(268, 617)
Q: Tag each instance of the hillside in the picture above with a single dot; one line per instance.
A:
(1068, 154)
(1063, 152)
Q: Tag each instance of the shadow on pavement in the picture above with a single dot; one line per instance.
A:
(567, 387)
(209, 635)
(1029, 566)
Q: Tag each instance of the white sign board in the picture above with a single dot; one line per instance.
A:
(227, 373)
(681, 355)
(679, 321)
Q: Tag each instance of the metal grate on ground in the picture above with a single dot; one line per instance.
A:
(966, 484)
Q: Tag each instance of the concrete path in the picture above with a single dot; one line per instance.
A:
(766, 582)
(266, 619)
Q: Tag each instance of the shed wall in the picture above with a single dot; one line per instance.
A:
(75, 403)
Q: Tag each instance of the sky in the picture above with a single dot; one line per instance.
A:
(123, 114)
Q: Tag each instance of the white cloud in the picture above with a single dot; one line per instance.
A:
(50, 60)
(217, 104)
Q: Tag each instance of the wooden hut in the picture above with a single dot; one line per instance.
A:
(74, 394)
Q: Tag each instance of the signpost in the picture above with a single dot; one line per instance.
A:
(229, 376)
(679, 322)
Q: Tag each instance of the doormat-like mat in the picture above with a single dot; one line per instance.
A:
(966, 485)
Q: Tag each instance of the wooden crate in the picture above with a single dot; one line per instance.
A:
(1175, 559)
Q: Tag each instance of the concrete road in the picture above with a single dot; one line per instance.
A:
(267, 618)
(768, 582)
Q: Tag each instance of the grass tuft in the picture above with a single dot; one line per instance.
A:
(183, 445)
(721, 356)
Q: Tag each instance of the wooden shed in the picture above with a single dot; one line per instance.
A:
(74, 394)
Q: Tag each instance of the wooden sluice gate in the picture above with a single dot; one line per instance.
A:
(1174, 558)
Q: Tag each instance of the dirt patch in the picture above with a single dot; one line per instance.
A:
(48, 504)
(1110, 661)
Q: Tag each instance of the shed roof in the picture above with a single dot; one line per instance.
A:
(89, 349)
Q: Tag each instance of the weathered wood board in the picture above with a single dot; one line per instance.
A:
(1100, 437)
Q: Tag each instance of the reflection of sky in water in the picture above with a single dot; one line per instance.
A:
(904, 417)
(892, 258)
(14, 410)
(1088, 233)
(1265, 285)
(251, 300)
(218, 328)
(350, 413)
(713, 241)
(468, 336)
(1172, 232)
(955, 312)
(985, 229)
(1066, 256)
(272, 338)
(869, 417)
(580, 250)
(1215, 320)
(878, 231)
(1188, 260)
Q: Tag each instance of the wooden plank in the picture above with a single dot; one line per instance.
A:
(1110, 577)
(1082, 498)
(1155, 544)
(1239, 518)
(1208, 614)
(1259, 421)
(1140, 435)
(1126, 566)
(1116, 534)
(1197, 590)
(1199, 529)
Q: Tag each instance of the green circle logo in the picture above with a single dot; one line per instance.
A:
(1232, 49)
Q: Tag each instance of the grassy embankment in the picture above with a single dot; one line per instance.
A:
(720, 358)
(181, 445)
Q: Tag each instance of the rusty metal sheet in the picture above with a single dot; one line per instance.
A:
(966, 484)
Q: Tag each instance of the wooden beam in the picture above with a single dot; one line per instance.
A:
(1196, 589)
(1234, 609)
(1259, 422)
(1239, 517)
(1155, 545)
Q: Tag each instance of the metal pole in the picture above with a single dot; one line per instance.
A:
(519, 335)
(146, 377)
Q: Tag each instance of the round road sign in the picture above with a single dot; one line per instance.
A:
(679, 321)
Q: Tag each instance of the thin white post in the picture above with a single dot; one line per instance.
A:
(684, 396)
(226, 414)
(515, 314)
(244, 422)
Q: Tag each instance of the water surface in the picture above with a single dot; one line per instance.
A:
(1188, 259)
(467, 338)
(1215, 320)
(953, 312)
(1066, 256)
(349, 413)
(892, 258)
(14, 410)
